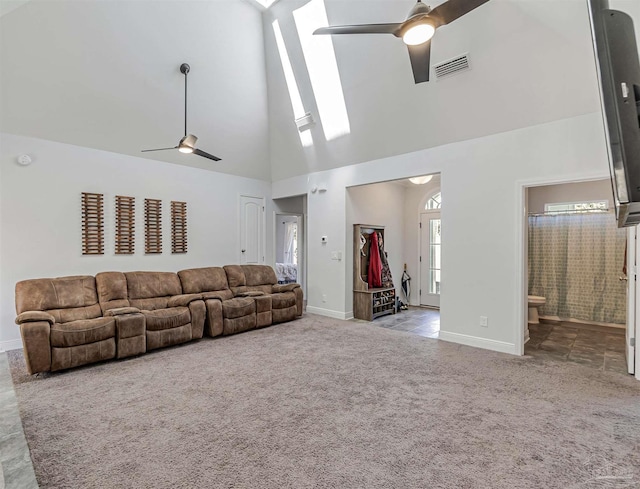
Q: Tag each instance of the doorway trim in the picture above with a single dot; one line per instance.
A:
(522, 245)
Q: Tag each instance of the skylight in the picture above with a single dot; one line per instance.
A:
(292, 85)
(323, 69)
(266, 3)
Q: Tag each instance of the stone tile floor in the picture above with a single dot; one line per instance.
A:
(16, 470)
(418, 320)
(594, 346)
(597, 347)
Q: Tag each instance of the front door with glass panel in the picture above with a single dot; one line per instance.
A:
(430, 258)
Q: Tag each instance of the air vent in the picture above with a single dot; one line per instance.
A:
(452, 66)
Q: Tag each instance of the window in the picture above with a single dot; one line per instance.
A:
(294, 94)
(434, 202)
(323, 69)
(266, 3)
(572, 207)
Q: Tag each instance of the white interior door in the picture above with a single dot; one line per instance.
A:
(430, 258)
(251, 230)
(633, 305)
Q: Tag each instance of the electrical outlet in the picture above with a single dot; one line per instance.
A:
(484, 321)
(324, 297)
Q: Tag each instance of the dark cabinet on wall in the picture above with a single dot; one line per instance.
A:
(370, 302)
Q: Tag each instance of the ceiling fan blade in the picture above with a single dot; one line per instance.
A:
(205, 155)
(159, 149)
(453, 9)
(361, 29)
(420, 56)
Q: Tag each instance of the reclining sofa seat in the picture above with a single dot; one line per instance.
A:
(226, 314)
(62, 326)
(251, 280)
(171, 317)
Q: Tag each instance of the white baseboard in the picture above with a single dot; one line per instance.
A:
(330, 313)
(10, 345)
(483, 343)
(587, 323)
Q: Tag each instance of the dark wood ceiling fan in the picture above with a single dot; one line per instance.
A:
(416, 31)
(188, 142)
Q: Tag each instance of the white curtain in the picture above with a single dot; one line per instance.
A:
(290, 229)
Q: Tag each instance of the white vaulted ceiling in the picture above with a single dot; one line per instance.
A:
(104, 74)
(531, 63)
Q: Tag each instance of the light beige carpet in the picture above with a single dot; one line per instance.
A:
(323, 403)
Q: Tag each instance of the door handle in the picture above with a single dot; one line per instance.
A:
(244, 251)
(623, 278)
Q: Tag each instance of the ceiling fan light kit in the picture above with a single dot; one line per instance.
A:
(187, 144)
(416, 31)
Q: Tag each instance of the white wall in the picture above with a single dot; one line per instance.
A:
(569, 192)
(481, 219)
(41, 221)
(380, 204)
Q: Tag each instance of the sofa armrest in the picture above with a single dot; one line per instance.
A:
(183, 300)
(221, 296)
(120, 311)
(277, 288)
(250, 293)
(34, 317)
(36, 346)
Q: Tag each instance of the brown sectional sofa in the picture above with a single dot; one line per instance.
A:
(63, 325)
(71, 321)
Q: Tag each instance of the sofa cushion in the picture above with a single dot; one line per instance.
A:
(283, 300)
(160, 319)
(112, 290)
(235, 276)
(75, 356)
(151, 303)
(238, 325)
(146, 285)
(283, 315)
(238, 307)
(76, 313)
(46, 294)
(259, 275)
(197, 280)
(82, 332)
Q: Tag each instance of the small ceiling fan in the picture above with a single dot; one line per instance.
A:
(188, 142)
(416, 31)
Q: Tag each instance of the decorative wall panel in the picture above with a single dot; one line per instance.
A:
(92, 224)
(125, 225)
(178, 227)
(152, 226)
